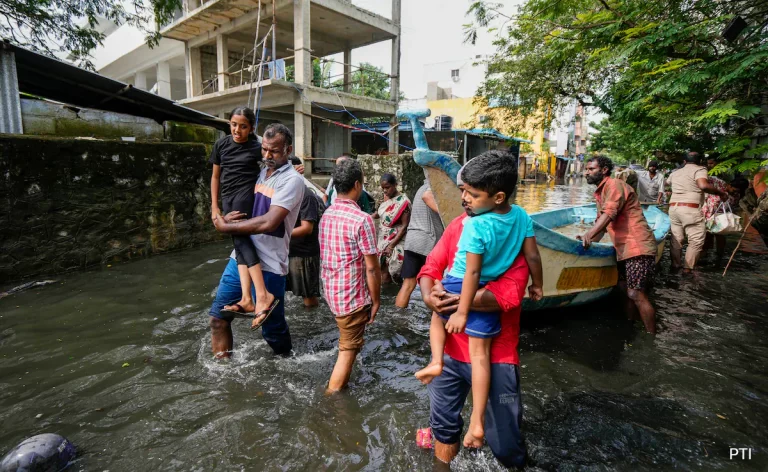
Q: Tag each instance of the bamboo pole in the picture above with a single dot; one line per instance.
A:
(744, 233)
(274, 40)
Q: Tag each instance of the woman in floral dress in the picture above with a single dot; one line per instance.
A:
(394, 214)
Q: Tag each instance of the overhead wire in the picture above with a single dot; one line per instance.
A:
(344, 110)
(255, 46)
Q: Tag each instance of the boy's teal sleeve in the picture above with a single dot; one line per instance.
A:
(471, 236)
(529, 233)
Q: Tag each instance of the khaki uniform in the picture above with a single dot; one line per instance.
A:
(687, 222)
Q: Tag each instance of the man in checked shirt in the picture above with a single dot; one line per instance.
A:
(349, 268)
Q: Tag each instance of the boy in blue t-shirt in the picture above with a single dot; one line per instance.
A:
(490, 241)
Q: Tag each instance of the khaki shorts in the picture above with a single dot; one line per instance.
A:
(352, 328)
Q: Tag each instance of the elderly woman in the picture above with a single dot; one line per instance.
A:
(394, 214)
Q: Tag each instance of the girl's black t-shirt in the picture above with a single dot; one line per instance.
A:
(239, 164)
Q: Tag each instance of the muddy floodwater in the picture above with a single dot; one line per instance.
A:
(118, 360)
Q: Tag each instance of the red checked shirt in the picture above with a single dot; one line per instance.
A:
(509, 290)
(347, 235)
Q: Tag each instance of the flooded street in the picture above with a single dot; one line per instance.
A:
(118, 361)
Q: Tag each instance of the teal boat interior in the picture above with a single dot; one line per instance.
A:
(556, 229)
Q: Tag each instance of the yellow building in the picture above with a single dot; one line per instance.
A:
(470, 113)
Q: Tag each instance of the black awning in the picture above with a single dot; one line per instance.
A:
(56, 80)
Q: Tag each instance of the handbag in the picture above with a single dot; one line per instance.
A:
(725, 222)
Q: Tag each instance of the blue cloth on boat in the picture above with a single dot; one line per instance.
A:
(497, 237)
(275, 328)
(503, 414)
(480, 324)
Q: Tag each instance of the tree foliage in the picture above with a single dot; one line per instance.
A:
(71, 26)
(662, 72)
(368, 80)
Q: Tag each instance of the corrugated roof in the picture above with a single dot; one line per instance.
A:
(490, 132)
(56, 80)
(406, 126)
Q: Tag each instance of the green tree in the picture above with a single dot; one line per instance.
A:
(620, 144)
(663, 72)
(318, 73)
(70, 26)
(368, 80)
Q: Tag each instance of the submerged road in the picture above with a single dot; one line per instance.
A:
(118, 360)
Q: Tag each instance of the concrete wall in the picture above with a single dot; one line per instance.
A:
(410, 176)
(329, 144)
(43, 118)
(69, 204)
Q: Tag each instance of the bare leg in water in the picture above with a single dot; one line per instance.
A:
(221, 338)
(480, 356)
(341, 371)
(647, 311)
(630, 309)
(404, 295)
(437, 337)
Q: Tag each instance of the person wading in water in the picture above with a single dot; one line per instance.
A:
(277, 200)
(619, 211)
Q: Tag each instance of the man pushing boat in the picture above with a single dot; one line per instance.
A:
(619, 212)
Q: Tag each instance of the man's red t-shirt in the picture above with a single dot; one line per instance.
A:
(509, 290)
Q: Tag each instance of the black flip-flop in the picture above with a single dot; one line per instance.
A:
(240, 313)
(266, 313)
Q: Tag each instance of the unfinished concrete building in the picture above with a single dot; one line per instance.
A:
(237, 52)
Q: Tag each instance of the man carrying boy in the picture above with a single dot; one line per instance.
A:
(349, 268)
(490, 242)
(448, 392)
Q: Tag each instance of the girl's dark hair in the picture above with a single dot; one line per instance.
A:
(247, 113)
(389, 178)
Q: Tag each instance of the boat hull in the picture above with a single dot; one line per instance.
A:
(574, 275)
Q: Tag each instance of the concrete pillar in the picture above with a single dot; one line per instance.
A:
(303, 69)
(394, 88)
(10, 101)
(140, 80)
(302, 42)
(164, 79)
(222, 62)
(346, 140)
(347, 70)
(194, 72)
(302, 133)
(191, 5)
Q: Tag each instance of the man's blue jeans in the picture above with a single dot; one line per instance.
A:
(275, 329)
(503, 415)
